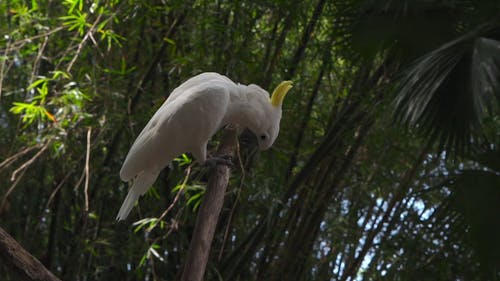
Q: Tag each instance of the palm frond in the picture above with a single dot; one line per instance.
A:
(485, 70)
(475, 196)
(446, 93)
(472, 202)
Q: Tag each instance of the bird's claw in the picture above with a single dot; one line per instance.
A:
(219, 160)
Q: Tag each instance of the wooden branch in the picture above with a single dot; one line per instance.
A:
(27, 267)
(208, 215)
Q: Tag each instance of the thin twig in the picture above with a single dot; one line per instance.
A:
(37, 59)
(96, 45)
(22, 169)
(51, 197)
(53, 194)
(82, 43)
(2, 67)
(7, 162)
(233, 208)
(181, 189)
(9, 191)
(80, 180)
(20, 43)
(87, 171)
(29, 162)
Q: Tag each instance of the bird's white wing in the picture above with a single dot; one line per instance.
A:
(182, 124)
(144, 147)
(198, 80)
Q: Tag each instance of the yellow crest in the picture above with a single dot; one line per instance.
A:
(280, 93)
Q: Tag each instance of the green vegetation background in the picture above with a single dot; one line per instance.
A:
(386, 168)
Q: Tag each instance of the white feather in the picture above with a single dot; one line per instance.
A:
(141, 184)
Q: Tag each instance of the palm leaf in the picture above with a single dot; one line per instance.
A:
(475, 197)
(485, 70)
(472, 202)
(446, 93)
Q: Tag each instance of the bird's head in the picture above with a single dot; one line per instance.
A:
(268, 130)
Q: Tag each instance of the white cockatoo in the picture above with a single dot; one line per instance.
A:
(190, 116)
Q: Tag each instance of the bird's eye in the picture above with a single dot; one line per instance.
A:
(263, 137)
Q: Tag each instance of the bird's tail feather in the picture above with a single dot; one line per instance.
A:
(141, 184)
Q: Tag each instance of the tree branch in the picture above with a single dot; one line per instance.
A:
(21, 261)
(208, 215)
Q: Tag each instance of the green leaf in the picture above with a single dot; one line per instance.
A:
(77, 21)
(56, 74)
(143, 222)
(195, 200)
(169, 41)
(36, 83)
(153, 191)
(73, 4)
(42, 91)
(183, 160)
(31, 112)
(153, 251)
(34, 5)
(110, 36)
(144, 257)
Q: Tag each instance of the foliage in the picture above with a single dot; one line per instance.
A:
(344, 194)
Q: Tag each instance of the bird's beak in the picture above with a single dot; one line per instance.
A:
(280, 92)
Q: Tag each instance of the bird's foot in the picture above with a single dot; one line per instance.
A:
(219, 160)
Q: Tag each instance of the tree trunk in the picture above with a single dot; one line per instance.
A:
(208, 215)
(21, 261)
